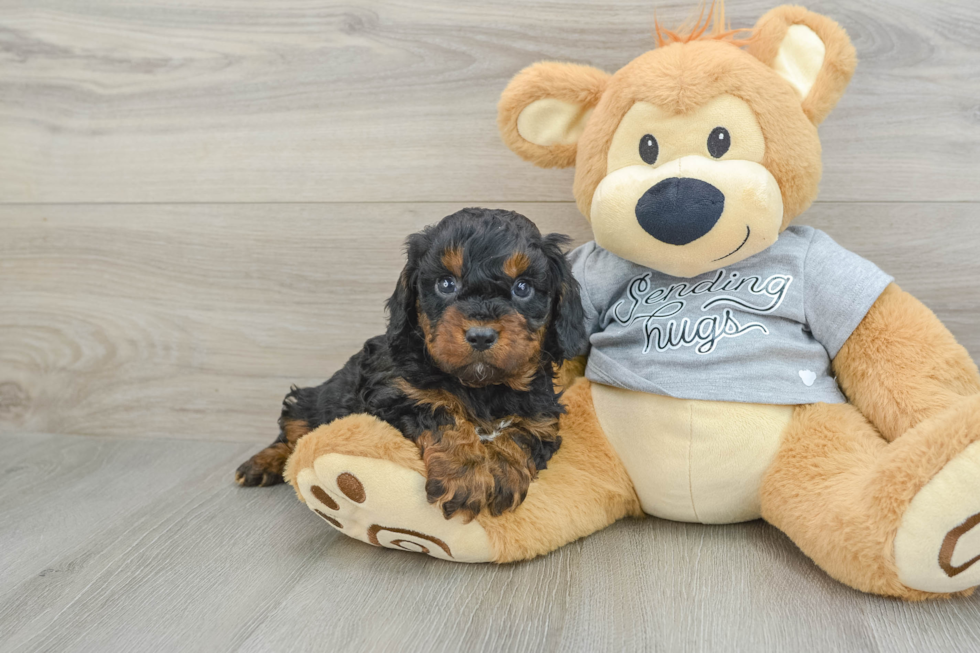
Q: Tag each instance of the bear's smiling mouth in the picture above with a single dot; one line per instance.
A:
(748, 232)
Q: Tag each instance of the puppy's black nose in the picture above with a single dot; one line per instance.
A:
(678, 211)
(481, 338)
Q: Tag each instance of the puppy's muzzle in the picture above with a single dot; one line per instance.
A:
(678, 211)
(481, 338)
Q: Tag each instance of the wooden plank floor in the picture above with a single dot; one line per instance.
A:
(138, 545)
(203, 202)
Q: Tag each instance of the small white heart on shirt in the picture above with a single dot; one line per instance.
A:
(808, 377)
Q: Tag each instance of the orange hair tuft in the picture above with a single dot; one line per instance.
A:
(705, 28)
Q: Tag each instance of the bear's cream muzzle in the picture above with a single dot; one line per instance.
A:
(687, 216)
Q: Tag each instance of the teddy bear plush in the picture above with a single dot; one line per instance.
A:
(740, 367)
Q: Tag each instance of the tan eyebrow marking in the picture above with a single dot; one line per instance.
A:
(516, 264)
(452, 258)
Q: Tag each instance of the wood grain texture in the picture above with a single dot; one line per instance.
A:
(203, 202)
(370, 100)
(140, 545)
(191, 321)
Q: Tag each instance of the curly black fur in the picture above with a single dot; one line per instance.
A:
(372, 381)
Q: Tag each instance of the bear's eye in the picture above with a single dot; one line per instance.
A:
(446, 286)
(649, 149)
(719, 141)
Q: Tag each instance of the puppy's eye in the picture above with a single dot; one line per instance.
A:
(649, 149)
(718, 142)
(522, 289)
(446, 286)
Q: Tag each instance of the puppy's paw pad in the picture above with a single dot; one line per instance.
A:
(384, 504)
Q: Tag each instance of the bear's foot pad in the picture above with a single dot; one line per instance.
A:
(937, 547)
(384, 504)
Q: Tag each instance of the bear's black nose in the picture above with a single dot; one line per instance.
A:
(678, 210)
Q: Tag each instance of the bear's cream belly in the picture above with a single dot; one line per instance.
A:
(692, 460)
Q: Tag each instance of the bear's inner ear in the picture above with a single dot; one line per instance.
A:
(810, 51)
(552, 121)
(800, 58)
(544, 110)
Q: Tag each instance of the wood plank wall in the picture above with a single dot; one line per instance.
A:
(203, 202)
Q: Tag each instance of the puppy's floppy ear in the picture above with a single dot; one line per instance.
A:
(810, 51)
(402, 306)
(566, 337)
(543, 111)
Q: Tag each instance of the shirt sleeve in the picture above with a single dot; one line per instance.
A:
(579, 259)
(839, 289)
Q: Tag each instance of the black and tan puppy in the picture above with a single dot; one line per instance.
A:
(484, 311)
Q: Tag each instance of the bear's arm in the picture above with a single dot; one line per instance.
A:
(902, 365)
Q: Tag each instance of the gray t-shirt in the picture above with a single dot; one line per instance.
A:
(763, 330)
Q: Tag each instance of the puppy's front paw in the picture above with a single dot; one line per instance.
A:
(264, 468)
(465, 476)
(512, 475)
(465, 490)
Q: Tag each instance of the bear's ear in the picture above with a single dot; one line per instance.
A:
(543, 111)
(810, 51)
